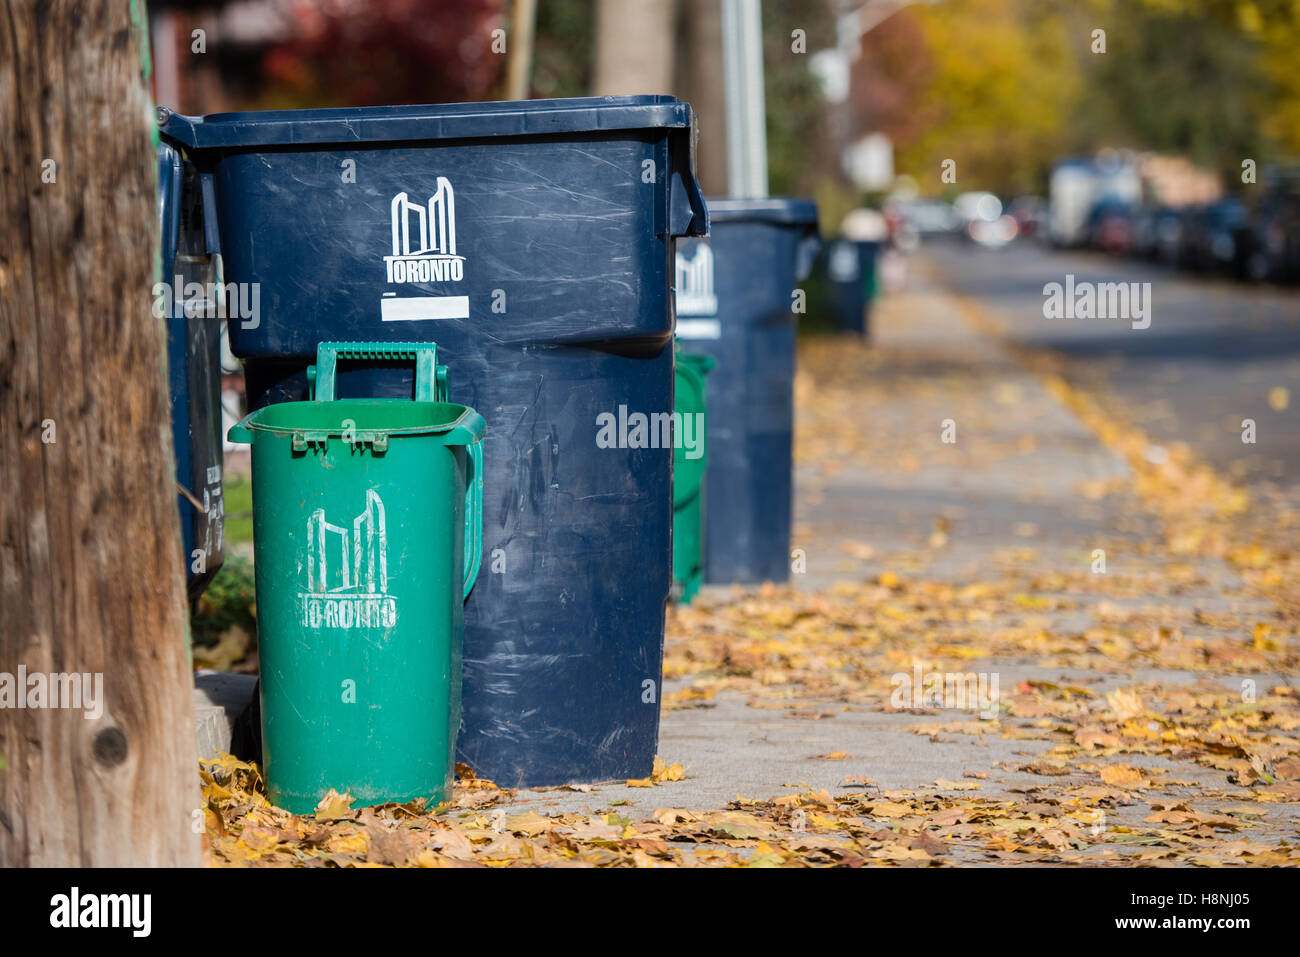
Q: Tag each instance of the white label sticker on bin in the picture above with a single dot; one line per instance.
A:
(699, 329)
(416, 308)
(844, 265)
(347, 571)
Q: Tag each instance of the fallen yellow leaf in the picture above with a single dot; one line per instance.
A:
(333, 806)
(1123, 776)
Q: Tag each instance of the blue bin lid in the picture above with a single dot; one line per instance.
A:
(801, 214)
(779, 210)
(376, 124)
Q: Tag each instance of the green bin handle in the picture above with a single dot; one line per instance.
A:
(469, 433)
(474, 517)
(430, 386)
(430, 378)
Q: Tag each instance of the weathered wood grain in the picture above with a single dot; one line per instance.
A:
(90, 554)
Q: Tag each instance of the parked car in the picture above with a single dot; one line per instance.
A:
(1150, 223)
(1214, 241)
(1079, 185)
(1030, 214)
(912, 221)
(1110, 226)
(1271, 241)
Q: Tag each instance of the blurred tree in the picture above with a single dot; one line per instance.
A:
(998, 99)
(1184, 76)
(889, 82)
(799, 155)
(1276, 23)
(1006, 87)
(368, 52)
(566, 44)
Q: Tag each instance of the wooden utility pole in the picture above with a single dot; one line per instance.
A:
(519, 58)
(90, 557)
(703, 86)
(634, 47)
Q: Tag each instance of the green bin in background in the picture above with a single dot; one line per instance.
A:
(688, 475)
(367, 536)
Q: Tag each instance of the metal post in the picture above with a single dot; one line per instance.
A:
(742, 55)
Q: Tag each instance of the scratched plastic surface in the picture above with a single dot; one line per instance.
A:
(564, 214)
(761, 250)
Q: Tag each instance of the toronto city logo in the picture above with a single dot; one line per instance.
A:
(424, 239)
(347, 571)
(695, 283)
(424, 251)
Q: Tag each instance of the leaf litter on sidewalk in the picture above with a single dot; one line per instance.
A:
(1113, 791)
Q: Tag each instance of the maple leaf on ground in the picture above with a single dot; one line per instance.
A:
(666, 772)
(334, 806)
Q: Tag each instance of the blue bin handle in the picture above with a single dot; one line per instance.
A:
(430, 378)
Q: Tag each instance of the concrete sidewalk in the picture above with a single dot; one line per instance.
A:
(1024, 496)
(1019, 473)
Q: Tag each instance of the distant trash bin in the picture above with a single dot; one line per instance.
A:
(193, 368)
(532, 241)
(367, 539)
(851, 268)
(736, 299)
(690, 462)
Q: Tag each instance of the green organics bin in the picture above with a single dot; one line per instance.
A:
(367, 518)
(689, 462)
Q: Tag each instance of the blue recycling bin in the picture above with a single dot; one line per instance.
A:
(533, 242)
(736, 298)
(850, 265)
(193, 368)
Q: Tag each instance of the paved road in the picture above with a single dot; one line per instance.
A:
(1214, 351)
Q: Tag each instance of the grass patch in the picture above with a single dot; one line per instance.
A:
(228, 601)
(238, 493)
